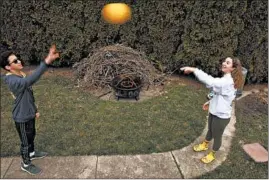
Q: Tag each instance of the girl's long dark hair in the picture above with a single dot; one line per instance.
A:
(237, 74)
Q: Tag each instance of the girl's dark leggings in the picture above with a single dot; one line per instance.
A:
(216, 128)
(27, 134)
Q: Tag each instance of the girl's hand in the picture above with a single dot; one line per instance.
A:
(206, 106)
(188, 70)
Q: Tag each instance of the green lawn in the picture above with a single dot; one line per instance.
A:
(251, 127)
(73, 122)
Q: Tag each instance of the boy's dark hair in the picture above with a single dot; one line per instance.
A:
(4, 58)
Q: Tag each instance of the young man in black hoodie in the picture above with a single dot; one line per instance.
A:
(24, 110)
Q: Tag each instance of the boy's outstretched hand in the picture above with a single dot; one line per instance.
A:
(37, 115)
(187, 70)
(53, 55)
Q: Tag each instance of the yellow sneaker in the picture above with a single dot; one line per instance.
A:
(208, 158)
(201, 147)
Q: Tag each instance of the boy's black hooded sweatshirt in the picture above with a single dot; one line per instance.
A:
(24, 108)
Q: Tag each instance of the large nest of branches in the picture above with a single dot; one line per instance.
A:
(104, 64)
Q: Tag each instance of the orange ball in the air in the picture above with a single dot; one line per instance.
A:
(116, 13)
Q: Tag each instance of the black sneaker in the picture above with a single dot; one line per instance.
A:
(38, 155)
(31, 169)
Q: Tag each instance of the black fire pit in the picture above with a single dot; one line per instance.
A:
(126, 86)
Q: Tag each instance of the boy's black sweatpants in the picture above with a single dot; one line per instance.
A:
(27, 134)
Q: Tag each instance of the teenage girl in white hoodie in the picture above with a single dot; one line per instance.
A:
(220, 106)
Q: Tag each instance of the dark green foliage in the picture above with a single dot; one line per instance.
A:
(172, 33)
(253, 41)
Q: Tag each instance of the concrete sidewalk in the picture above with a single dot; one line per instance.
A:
(178, 164)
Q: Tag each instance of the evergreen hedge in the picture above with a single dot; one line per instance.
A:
(172, 33)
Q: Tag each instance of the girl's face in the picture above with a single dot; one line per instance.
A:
(227, 65)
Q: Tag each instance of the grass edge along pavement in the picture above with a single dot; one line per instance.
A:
(73, 122)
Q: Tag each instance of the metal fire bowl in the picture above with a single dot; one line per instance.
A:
(117, 81)
(123, 86)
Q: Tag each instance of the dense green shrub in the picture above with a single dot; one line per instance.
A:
(172, 33)
(253, 41)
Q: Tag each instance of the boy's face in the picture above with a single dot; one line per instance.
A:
(14, 63)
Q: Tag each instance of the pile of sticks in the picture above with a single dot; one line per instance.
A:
(102, 65)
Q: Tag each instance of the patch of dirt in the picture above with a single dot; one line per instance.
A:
(261, 87)
(263, 96)
(185, 80)
(254, 103)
